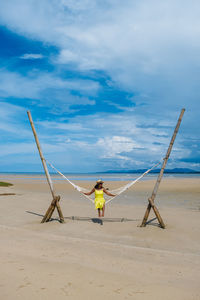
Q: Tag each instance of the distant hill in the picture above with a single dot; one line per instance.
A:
(167, 171)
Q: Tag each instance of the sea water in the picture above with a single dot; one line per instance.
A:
(95, 176)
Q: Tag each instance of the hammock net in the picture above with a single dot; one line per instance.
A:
(116, 192)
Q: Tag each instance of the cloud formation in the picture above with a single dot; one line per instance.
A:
(147, 49)
(46, 90)
(31, 56)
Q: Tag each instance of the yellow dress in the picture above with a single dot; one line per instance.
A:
(99, 200)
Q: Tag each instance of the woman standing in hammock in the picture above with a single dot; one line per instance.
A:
(99, 201)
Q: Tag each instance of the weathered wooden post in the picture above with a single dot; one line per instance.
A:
(55, 201)
(155, 190)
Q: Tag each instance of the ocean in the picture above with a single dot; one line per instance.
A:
(94, 176)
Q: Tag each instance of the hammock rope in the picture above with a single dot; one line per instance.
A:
(117, 192)
(76, 187)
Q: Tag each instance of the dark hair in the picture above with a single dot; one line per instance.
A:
(97, 185)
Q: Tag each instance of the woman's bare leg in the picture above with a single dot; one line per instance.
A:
(103, 210)
(99, 212)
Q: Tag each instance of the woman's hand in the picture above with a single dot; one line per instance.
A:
(109, 194)
(89, 193)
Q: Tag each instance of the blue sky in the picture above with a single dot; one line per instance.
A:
(104, 80)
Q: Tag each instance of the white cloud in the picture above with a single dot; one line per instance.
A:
(49, 90)
(112, 147)
(12, 119)
(115, 138)
(29, 148)
(94, 142)
(148, 47)
(8, 111)
(61, 126)
(31, 56)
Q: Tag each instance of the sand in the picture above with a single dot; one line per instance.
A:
(90, 259)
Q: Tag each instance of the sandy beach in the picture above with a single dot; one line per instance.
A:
(87, 258)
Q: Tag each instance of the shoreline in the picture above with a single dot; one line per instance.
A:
(93, 177)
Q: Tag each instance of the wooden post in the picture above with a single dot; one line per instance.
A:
(155, 190)
(55, 201)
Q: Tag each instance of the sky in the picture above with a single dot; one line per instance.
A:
(105, 81)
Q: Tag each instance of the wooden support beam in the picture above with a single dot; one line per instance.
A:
(158, 216)
(155, 190)
(54, 204)
(62, 220)
(55, 201)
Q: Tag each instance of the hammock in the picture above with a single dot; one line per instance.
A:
(117, 191)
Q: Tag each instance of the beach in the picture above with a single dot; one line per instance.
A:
(91, 258)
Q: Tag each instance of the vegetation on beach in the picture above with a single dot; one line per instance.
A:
(7, 194)
(6, 184)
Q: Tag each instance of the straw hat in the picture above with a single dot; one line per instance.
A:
(99, 181)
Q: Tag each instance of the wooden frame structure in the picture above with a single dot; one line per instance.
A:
(155, 190)
(55, 202)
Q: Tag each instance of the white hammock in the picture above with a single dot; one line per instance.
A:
(117, 192)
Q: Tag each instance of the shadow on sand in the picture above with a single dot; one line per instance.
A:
(99, 221)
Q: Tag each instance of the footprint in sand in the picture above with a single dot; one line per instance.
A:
(21, 286)
(64, 289)
(117, 291)
(69, 283)
(24, 285)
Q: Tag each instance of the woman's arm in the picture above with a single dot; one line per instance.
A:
(89, 193)
(109, 194)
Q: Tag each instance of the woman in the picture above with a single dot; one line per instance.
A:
(99, 200)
